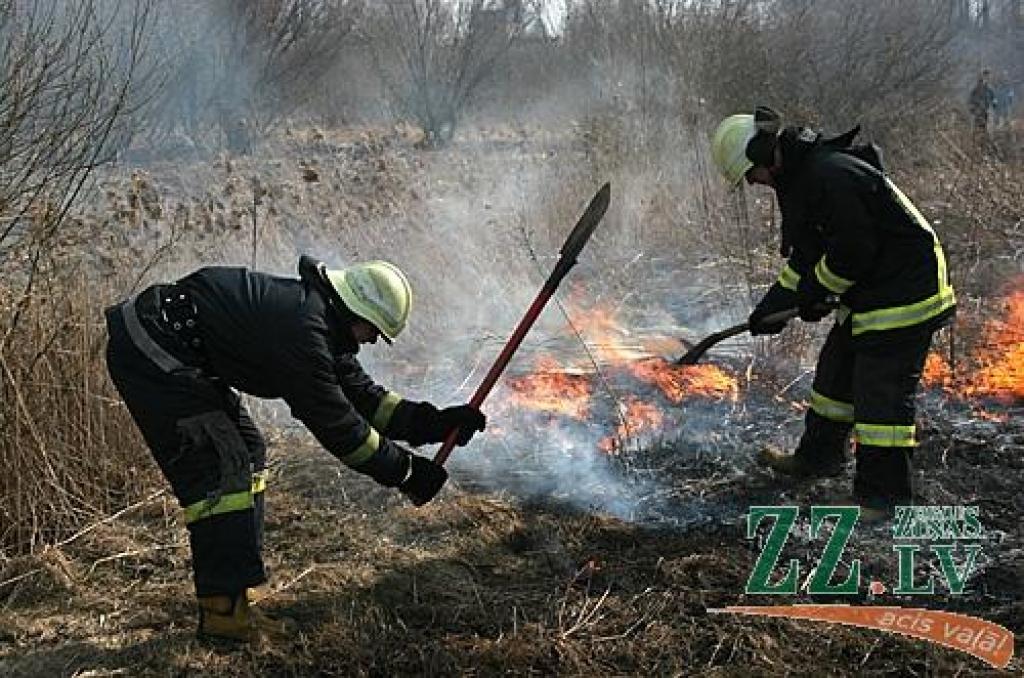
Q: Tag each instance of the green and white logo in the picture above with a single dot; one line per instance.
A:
(914, 529)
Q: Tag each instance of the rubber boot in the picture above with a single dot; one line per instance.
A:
(224, 617)
(820, 454)
(882, 481)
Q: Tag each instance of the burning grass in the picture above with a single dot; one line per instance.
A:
(995, 367)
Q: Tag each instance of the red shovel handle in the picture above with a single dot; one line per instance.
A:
(499, 366)
(578, 237)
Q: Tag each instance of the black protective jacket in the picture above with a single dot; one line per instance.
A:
(847, 230)
(275, 337)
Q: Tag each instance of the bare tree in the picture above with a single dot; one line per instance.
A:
(882, 62)
(444, 52)
(236, 67)
(68, 81)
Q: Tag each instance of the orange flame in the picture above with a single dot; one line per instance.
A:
(557, 390)
(639, 418)
(936, 371)
(1000, 370)
(549, 389)
(679, 381)
(997, 369)
(607, 340)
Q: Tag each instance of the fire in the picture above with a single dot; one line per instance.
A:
(653, 384)
(681, 381)
(608, 340)
(549, 389)
(1000, 370)
(936, 371)
(997, 369)
(639, 418)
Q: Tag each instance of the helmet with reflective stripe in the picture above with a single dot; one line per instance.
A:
(376, 291)
(729, 147)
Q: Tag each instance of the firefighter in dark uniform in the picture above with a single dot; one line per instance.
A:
(849, 235)
(180, 353)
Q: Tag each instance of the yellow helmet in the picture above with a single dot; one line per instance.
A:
(376, 291)
(729, 147)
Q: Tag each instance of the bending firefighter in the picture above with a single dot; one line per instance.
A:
(178, 352)
(848, 232)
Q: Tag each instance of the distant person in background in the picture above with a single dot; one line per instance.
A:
(980, 100)
(1002, 103)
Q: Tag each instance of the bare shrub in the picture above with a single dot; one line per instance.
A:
(444, 53)
(886, 64)
(234, 69)
(68, 79)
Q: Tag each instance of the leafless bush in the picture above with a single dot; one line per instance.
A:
(235, 68)
(444, 53)
(67, 72)
(68, 80)
(884, 64)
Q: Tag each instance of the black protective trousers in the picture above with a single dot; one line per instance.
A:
(868, 389)
(207, 447)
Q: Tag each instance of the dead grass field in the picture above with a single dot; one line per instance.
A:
(484, 584)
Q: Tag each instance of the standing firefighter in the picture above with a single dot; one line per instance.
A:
(979, 101)
(848, 232)
(178, 352)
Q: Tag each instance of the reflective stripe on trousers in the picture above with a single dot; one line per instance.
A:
(236, 501)
(885, 435)
(833, 410)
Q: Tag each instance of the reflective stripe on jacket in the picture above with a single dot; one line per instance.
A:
(853, 229)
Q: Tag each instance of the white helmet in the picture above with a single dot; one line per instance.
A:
(376, 291)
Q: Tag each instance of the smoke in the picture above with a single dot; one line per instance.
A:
(477, 228)
(476, 262)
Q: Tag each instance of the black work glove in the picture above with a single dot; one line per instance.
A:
(466, 418)
(776, 299)
(815, 312)
(814, 300)
(425, 480)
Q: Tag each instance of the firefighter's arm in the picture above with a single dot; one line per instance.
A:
(416, 423)
(315, 398)
(780, 296)
(375, 403)
(320, 404)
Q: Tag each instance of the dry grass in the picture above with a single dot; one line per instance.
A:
(471, 585)
(68, 445)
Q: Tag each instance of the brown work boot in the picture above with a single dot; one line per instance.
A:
(875, 510)
(796, 466)
(875, 515)
(224, 617)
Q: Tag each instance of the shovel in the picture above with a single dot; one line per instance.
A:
(700, 348)
(570, 251)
